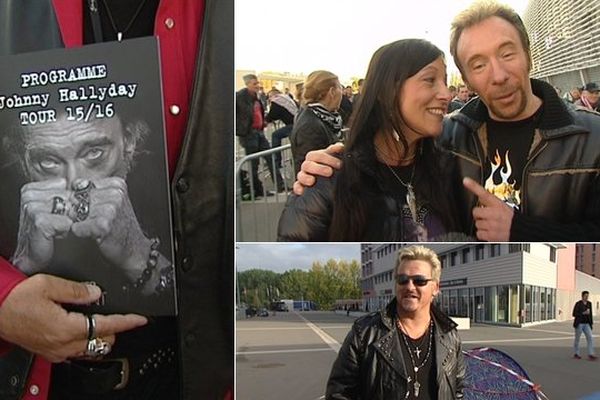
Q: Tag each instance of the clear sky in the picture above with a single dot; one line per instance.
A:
(280, 257)
(301, 36)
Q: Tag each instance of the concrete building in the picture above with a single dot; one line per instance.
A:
(269, 80)
(586, 259)
(565, 41)
(508, 284)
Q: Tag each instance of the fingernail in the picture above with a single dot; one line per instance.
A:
(93, 290)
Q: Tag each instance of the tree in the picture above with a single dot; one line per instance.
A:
(333, 280)
(323, 284)
(258, 286)
(294, 284)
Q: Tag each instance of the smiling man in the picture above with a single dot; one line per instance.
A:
(410, 350)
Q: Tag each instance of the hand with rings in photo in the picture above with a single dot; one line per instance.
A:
(44, 216)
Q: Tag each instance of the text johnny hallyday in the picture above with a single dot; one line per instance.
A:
(94, 94)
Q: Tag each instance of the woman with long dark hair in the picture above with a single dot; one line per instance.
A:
(395, 183)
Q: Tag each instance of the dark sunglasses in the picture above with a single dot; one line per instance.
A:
(417, 280)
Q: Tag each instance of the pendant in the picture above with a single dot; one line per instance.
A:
(411, 201)
(418, 352)
(416, 369)
(119, 36)
(417, 386)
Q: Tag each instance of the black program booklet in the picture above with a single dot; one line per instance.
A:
(84, 186)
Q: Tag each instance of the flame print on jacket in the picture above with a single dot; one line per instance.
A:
(505, 190)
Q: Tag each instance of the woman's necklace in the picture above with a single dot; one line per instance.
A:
(411, 199)
(120, 33)
(416, 384)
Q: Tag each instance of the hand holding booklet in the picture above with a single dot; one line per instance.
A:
(83, 172)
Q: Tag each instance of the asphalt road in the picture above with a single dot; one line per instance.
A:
(289, 355)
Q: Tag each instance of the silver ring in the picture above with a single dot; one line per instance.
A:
(91, 327)
(82, 185)
(82, 199)
(59, 206)
(97, 348)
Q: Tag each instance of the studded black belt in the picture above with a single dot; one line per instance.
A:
(110, 374)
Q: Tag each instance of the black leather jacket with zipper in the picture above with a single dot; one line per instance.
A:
(370, 364)
(560, 194)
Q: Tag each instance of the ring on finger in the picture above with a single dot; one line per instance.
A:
(82, 199)
(97, 348)
(91, 327)
(59, 206)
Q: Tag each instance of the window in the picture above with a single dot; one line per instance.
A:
(443, 261)
(479, 252)
(553, 254)
(494, 250)
(453, 259)
(465, 255)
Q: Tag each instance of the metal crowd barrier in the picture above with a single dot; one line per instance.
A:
(257, 217)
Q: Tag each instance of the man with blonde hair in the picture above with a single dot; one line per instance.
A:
(410, 348)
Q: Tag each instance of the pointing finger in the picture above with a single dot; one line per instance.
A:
(485, 198)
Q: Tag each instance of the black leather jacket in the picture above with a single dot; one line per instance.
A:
(309, 133)
(308, 217)
(370, 364)
(244, 109)
(202, 192)
(560, 195)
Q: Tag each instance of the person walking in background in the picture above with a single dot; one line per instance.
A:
(346, 105)
(589, 97)
(249, 124)
(582, 312)
(461, 98)
(282, 108)
(318, 124)
(573, 95)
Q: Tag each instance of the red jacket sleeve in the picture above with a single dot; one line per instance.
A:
(9, 278)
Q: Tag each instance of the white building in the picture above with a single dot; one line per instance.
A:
(510, 284)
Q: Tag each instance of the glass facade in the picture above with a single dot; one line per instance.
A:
(514, 304)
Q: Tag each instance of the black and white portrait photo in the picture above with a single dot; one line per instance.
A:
(83, 172)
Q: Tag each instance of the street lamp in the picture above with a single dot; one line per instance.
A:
(237, 283)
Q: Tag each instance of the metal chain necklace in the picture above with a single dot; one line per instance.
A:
(416, 384)
(120, 33)
(411, 199)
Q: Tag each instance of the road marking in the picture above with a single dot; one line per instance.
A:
(331, 342)
(541, 330)
(245, 353)
(518, 340)
(273, 329)
(291, 328)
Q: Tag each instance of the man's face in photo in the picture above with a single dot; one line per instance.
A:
(73, 150)
(496, 66)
